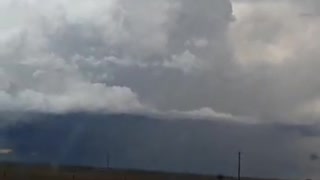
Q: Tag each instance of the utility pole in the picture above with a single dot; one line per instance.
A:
(108, 160)
(239, 165)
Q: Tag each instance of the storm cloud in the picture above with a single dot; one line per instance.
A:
(251, 61)
(255, 59)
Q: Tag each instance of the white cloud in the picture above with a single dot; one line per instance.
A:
(35, 78)
(276, 45)
(6, 151)
(203, 113)
(187, 62)
(268, 31)
(52, 85)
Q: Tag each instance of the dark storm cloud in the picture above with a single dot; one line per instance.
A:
(169, 145)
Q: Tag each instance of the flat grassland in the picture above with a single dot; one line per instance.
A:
(42, 172)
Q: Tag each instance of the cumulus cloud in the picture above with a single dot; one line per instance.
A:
(62, 56)
(254, 59)
(185, 61)
(38, 76)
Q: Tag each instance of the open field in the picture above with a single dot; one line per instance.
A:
(42, 172)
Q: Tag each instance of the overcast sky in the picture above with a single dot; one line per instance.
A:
(251, 61)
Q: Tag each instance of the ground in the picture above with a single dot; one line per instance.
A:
(40, 172)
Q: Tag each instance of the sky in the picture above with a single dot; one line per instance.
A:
(245, 61)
